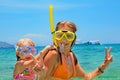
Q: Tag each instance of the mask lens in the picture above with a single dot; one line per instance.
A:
(34, 51)
(58, 35)
(70, 36)
(26, 50)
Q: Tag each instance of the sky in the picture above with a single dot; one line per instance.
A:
(95, 19)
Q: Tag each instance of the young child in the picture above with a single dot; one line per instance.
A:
(24, 67)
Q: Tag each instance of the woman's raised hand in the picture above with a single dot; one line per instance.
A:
(108, 56)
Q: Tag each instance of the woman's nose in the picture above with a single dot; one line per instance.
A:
(64, 39)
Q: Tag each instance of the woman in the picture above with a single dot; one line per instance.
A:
(61, 63)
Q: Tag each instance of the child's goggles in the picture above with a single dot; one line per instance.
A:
(70, 36)
(26, 50)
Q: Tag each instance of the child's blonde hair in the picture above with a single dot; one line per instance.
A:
(21, 42)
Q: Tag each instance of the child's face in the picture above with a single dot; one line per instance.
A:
(26, 50)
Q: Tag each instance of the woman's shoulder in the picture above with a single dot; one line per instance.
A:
(51, 54)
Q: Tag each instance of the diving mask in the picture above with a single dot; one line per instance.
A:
(70, 36)
(26, 50)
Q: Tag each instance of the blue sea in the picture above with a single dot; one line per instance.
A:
(89, 57)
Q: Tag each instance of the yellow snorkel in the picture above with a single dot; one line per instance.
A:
(52, 24)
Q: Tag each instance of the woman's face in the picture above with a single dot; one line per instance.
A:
(64, 41)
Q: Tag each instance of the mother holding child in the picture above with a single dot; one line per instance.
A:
(57, 62)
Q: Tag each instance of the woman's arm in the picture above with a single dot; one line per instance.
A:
(96, 72)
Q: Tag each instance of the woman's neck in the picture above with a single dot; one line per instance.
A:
(66, 53)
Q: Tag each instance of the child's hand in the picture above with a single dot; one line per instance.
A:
(33, 58)
(38, 65)
(39, 68)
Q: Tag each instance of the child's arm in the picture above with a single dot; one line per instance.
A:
(18, 68)
(15, 72)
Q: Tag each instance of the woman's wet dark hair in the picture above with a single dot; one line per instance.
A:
(66, 23)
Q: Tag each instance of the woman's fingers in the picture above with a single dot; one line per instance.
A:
(108, 57)
(108, 50)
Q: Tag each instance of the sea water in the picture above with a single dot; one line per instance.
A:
(89, 57)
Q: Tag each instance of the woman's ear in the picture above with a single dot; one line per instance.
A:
(73, 41)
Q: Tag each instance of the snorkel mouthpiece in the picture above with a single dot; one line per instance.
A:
(61, 46)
